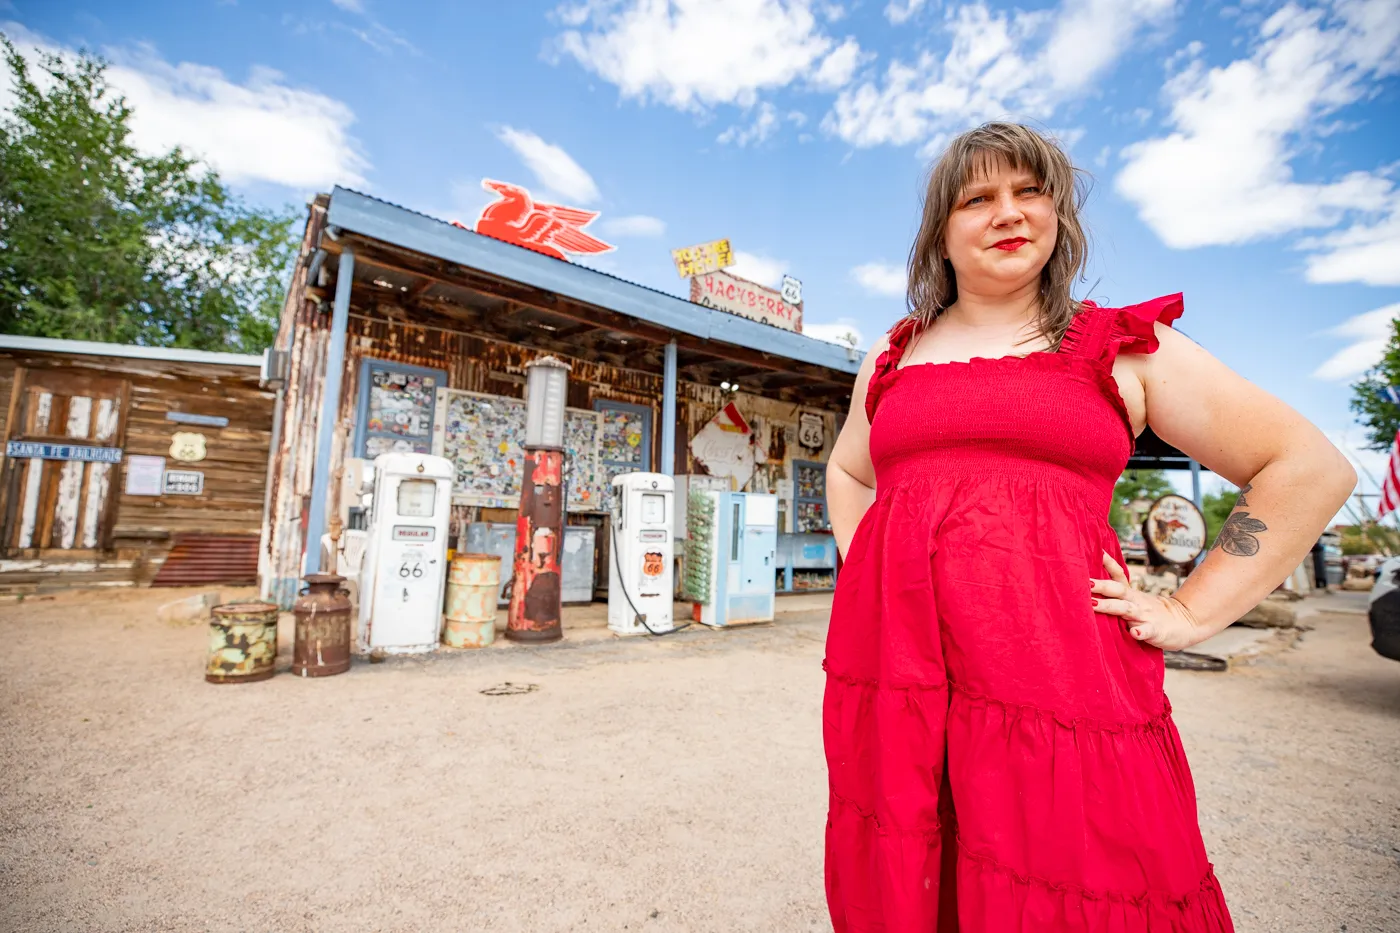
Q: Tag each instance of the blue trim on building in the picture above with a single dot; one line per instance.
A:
(380, 220)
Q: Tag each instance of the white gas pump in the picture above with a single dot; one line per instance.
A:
(640, 574)
(405, 565)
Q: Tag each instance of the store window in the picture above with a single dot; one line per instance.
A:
(396, 408)
(624, 442)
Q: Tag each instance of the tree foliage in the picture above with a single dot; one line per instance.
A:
(101, 242)
(1370, 539)
(1379, 415)
(1216, 507)
(1131, 486)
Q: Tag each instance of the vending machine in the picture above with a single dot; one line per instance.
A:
(405, 563)
(735, 543)
(640, 574)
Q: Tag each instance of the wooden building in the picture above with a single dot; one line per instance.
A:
(126, 465)
(402, 332)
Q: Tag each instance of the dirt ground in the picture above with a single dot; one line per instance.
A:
(647, 785)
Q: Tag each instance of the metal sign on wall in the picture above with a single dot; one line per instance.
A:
(726, 292)
(183, 482)
(1175, 529)
(552, 229)
(21, 450)
(707, 257)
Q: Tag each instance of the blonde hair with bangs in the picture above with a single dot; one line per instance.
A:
(932, 285)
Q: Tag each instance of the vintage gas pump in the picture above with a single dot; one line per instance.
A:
(738, 544)
(640, 574)
(405, 565)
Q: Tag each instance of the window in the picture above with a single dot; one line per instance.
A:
(396, 408)
(653, 509)
(416, 498)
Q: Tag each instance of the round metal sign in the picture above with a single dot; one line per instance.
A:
(1175, 529)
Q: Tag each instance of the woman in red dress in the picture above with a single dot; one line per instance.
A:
(1001, 754)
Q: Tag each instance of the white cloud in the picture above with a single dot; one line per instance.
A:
(1369, 333)
(352, 6)
(552, 166)
(844, 332)
(763, 127)
(1224, 176)
(1089, 35)
(380, 38)
(638, 225)
(694, 54)
(997, 65)
(262, 130)
(1364, 252)
(881, 278)
(838, 68)
(761, 269)
(900, 11)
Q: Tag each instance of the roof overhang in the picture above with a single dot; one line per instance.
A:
(126, 351)
(651, 312)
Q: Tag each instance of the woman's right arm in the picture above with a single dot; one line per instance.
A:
(850, 476)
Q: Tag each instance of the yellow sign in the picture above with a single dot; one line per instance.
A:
(707, 257)
(187, 447)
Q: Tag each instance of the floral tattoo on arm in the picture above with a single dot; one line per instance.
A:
(1239, 534)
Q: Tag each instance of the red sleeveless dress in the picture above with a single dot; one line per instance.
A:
(1001, 757)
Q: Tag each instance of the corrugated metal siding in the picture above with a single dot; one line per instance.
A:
(196, 560)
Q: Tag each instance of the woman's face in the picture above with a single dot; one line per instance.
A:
(1001, 231)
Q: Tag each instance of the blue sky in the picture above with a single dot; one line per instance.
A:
(1246, 153)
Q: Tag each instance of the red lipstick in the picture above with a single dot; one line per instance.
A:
(1012, 244)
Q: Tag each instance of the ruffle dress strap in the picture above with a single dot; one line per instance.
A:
(899, 337)
(1103, 333)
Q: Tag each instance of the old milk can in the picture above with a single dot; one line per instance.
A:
(322, 644)
(242, 643)
(473, 580)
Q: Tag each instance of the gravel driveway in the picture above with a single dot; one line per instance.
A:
(671, 785)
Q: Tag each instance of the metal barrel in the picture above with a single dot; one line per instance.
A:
(473, 581)
(322, 644)
(242, 643)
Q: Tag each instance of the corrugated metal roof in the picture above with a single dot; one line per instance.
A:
(126, 351)
(411, 230)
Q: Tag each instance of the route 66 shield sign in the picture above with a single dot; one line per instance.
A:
(187, 447)
(792, 290)
(810, 432)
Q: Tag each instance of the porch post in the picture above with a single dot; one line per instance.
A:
(668, 412)
(330, 406)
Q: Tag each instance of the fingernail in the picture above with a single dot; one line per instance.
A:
(1096, 604)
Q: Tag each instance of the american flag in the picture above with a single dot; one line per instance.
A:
(1390, 489)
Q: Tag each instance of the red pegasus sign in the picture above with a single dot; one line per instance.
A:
(545, 228)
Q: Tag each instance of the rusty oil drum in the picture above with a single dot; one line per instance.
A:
(322, 644)
(473, 580)
(242, 643)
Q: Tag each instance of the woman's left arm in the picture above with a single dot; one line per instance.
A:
(1292, 482)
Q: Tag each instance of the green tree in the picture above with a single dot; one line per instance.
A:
(1379, 415)
(1370, 539)
(100, 242)
(1217, 506)
(1131, 486)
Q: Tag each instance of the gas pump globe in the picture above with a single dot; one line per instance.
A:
(536, 592)
(546, 392)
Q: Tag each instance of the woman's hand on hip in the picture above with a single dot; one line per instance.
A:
(1161, 621)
